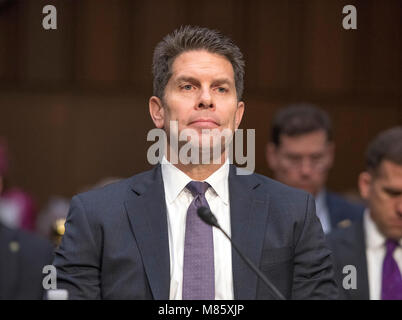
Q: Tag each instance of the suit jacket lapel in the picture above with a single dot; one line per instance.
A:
(353, 250)
(249, 212)
(146, 210)
(359, 253)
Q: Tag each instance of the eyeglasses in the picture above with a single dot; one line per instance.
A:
(314, 161)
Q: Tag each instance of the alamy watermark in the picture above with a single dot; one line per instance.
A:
(350, 20)
(49, 282)
(350, 280)
(49, 22)
(206, 147)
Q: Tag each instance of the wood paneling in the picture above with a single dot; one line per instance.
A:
(101, 33)
(45, 55)
(9, 49)
(269, 42)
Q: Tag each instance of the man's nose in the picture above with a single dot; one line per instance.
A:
(306, 167)
(205, 100)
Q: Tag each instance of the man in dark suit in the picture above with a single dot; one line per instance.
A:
(22, 258)
(301, 153)
(141, 238)
(372, 245)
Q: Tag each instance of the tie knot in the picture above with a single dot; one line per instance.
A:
(391, 245)
(197, 187)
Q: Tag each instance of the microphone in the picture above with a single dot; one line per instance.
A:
(209, 218)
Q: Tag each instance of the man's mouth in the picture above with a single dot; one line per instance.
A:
(204, 123)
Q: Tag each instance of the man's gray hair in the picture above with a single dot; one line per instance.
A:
(188, 38)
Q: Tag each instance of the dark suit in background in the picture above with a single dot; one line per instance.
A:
(349, 248)
(116, 242)
(22, 258)
(342, 212)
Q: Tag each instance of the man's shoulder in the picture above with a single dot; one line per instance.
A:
(275, 189)
(345, 236)
(353, 210)
(341, 200)
(116, 191)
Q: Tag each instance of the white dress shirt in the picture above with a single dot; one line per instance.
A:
(322, 211)
(178, 199)
(375, 254)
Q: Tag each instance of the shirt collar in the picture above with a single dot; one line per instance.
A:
(320, 199)
(374, 237)
(176, 180)
(219, 182)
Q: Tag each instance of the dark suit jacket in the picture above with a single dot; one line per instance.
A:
(342, 211)
(116, 242)
(22, 258)
(349, 248)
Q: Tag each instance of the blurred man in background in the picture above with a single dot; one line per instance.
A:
(17, 207)
(51, 219)
(22, 254)
(301, 153)
(22, 258)
(373, 244)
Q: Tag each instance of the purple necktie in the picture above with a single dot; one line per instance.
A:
(391, 275)
(198, 260)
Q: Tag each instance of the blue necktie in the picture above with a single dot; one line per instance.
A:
(198, 260)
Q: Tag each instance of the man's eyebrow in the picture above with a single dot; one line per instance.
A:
(187, 79)
(222, 81)
(196, 81)
(392, 190)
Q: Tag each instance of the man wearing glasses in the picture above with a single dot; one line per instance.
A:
(301, 153)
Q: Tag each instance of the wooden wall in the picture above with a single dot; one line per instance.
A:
(73, 101)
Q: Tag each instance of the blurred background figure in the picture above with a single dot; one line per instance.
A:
(17, 208)
(373, 244)
(301, 153)
(22, 254)
(22, 258)
(51, 219)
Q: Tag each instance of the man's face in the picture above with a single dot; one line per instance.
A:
(383, 192)
(302, 161)
(200, 94)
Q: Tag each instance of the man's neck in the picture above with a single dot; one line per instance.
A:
(199, 172)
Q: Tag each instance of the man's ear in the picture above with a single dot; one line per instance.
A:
(364, 182)
(239, 114)
(157, 111)
(271, 156)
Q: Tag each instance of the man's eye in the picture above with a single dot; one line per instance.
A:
(293, 158)
(393, 193)
(317, 157)
(187, 87)
(222, 89)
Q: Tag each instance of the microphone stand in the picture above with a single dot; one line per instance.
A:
(208, 217)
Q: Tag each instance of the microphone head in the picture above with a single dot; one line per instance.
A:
(207, 216)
